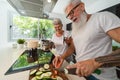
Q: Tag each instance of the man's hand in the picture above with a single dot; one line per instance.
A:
(85, 68)
(58, 61)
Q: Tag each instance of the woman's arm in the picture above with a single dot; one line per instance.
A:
(69, 51)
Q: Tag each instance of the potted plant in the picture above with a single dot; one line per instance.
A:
(21, 43)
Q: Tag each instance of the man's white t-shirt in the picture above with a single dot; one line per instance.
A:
(92, 41)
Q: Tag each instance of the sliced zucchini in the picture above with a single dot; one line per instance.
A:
(41, 69)
(33, 72)
(42, 75)
(46, 66)
(38, 77)
(34, 78)
(48, 74)
(39, 73)
(45, 75)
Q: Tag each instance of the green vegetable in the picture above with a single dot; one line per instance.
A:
(97, 71)
(39, 73)
(34, 78)
(33, 72)
(46, 66)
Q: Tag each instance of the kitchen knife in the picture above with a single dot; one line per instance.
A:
(73, 71)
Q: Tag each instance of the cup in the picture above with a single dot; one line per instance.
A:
(32, 44)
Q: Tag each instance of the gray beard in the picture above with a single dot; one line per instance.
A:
(81, 23)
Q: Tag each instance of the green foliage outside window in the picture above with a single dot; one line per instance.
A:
(33, 27)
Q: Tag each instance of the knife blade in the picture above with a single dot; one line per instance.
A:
(73, 71)
(67, 71)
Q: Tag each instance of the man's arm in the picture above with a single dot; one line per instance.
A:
(115, 34)
(85, 68)
(110, 60)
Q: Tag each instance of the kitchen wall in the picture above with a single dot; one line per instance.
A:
(5, 21)
(3, 25)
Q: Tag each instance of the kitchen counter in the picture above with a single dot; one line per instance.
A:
(8, 56)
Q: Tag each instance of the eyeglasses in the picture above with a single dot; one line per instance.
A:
(72, 11)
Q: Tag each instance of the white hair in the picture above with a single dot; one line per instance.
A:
(76, 26)
(74, 2)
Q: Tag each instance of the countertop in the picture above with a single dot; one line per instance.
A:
(8, 55)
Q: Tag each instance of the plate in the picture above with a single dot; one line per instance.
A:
(74, 77)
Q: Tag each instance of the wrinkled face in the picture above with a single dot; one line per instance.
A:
(74, 12)
(58, 27)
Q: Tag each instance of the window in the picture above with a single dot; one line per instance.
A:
(30, 28)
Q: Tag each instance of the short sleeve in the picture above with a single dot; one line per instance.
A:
(67, 34)
(53, 36)
(109, 21)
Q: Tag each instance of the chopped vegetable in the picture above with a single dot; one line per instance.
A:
(48, 74)
(32, 72)
(41, 69)
(34, 78)
(45, 73)
(39, 73)
(46, 66)
(38, 77)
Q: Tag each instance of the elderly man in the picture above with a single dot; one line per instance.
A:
(92, 37)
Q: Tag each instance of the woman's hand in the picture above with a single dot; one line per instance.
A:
(58, 61)
(68, 40)
(85, 68)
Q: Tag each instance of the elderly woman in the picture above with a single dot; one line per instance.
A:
(60, 38)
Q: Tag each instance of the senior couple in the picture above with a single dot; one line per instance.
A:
(92, 36)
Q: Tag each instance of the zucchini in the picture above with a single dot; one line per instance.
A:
(34, 78)
(33, 72)
(48, 74)
(39, 73)
(46, 66)
(41, 69)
